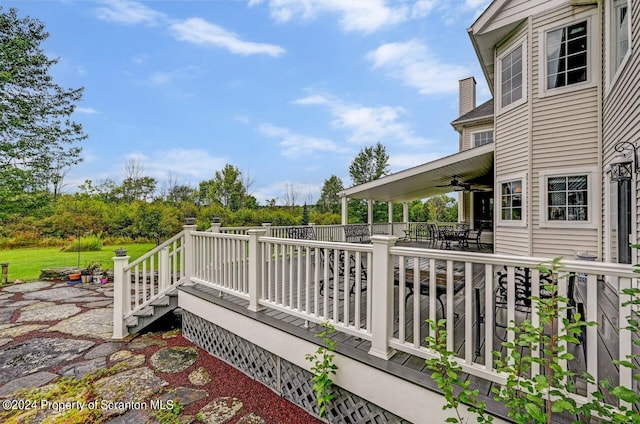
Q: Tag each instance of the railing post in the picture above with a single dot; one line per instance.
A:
(255, 269)
(121, 294)
(189, 256)
(267, 227)
(215, 225)
(163, 269)
(382, 296)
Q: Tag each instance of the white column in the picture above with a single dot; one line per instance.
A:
(215, 227)
(382, 296)
(121, 296)
(390, 217)
(189, 247)
(267, 228)
(345, 210)
(405, 215)
(255, 269)
(370, 214)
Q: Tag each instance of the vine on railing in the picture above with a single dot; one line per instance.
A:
(323, 368)
(540, 399)
(446, 374)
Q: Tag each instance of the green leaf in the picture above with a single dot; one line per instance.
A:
(625, 394)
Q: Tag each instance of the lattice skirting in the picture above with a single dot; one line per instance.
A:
(285, 378)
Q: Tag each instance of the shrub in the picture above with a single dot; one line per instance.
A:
(90, 243)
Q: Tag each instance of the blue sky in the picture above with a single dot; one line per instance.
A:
(288, 91)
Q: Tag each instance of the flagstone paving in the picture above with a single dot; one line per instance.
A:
(50, 330)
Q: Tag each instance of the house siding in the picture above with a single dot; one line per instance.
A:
(564, 134)
(511, 140)
(621, 117)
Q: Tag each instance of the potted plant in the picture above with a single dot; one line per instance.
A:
(85, 275)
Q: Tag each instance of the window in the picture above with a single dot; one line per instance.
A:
(567, 198)
(620, 32)
(567, 57)
(511, 82)
(483, 137)
(511, 196)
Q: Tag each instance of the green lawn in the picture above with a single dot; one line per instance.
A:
(25, 264)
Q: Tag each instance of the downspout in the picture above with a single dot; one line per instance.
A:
(529, 176)
(600, 108)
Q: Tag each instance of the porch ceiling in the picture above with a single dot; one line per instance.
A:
(473, 166)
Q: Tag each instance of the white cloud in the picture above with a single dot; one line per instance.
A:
(87, 110)
(304, 192)
(404, 161)
(201, 165)
(129, 12)
(243, 119)
(163, 78)
(295, 145)
(413, 64)
(200, 32)
(365, 16)
(366, 124)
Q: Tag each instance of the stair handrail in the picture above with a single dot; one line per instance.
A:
(154, 251)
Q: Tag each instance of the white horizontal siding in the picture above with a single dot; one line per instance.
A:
(547, 243)
(511, 241)
(564, 135)
(621, 109)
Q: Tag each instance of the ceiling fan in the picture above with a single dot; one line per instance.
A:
(460, 185)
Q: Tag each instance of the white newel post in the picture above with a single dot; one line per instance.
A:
(382, 296)
(121, 295)
(215, 225)
(189, 255)
(267, 227)
(163, 268)
(405, 215)
(255, 269)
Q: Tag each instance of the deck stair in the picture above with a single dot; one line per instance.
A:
(156, 310)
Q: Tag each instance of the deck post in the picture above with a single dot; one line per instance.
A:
(121, 296)
(255, 269)
(189, 248)
(382, 296)
(267, 228)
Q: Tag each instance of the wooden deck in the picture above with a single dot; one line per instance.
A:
(413, 368)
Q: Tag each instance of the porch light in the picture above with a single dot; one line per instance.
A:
(621, 168)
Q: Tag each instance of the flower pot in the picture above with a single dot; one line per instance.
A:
(74, 277)
(85, 278)
(97, 278)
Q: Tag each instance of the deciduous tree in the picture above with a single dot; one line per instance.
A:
(38, 138)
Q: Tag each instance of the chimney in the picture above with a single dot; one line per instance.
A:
(467, 95)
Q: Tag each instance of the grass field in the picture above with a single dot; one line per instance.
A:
(25, 264)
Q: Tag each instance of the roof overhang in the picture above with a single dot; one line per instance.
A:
(471, 166)
(496, 23)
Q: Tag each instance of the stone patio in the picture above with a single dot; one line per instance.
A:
(51, 330)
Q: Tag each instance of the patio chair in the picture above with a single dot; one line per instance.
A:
(351, 275)
(473, 235)
(301, 233)
(523, 298)
(357, 233)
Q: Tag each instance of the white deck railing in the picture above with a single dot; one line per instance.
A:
(358, 288)
(148, 278)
